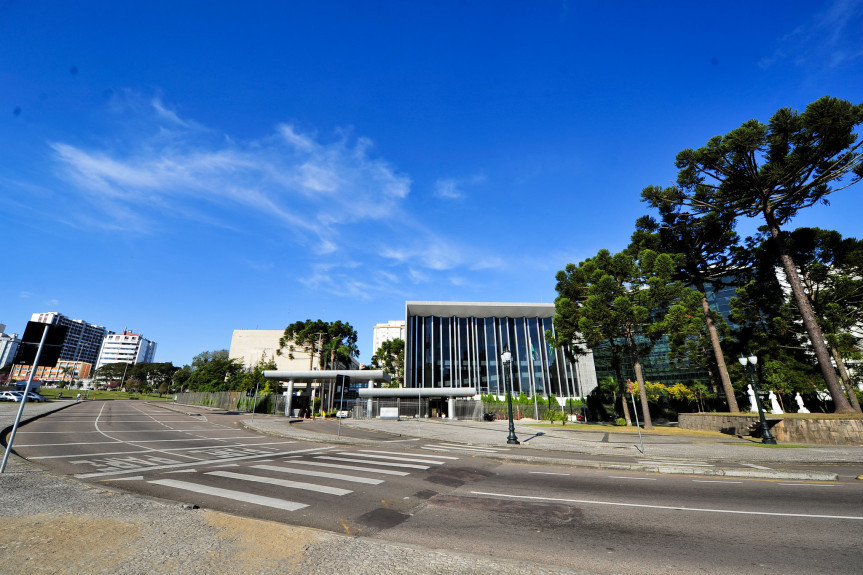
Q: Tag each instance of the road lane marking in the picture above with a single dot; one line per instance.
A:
(351, 467)
(810, 484)
(667, 507)
(473, 447)
(371, 454)
(756, 466)
(546, 473)
(632, 478)
(367, 462)
(231, 494)
(192, 463)
(172, 451)
(324, 474)
(281, 482)
(424, 454)
(681, 463)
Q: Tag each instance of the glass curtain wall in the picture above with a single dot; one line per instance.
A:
(465, 352)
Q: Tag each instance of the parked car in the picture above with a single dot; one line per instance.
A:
(17, 395)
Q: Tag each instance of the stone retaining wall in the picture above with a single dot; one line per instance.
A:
(814, 430)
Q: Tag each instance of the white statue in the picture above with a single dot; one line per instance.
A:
(753, 406)
(774, 404)
(800, 407)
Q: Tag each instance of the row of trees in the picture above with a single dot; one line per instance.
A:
(660, 284)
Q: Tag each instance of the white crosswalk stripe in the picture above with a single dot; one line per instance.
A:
(324, 474)
(282, 482)
(232, 494)
(367, 462)
(375, 455)
(405, 455)
(470, 448)
(350, 467)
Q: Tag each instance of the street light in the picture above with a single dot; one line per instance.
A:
(506, 359)
(749, 365)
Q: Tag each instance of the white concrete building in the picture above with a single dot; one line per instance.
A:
(250, 345)
(126, 347)
(8, 345)
(386, 331)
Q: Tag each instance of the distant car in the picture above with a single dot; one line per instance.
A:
(343, 413)
(17, 395)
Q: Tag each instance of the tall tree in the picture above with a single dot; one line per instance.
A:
(610, 299)
(706, 251)
(831, 270)
(773, 171)
(390, 357)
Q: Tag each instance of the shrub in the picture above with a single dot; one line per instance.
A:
(620, 422)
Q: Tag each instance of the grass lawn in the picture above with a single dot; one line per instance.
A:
(52, 393)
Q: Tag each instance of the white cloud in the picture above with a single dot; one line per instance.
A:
(828, 39)
(453, 188)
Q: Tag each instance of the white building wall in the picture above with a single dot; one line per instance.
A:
(8, 345)
(386, 331)
(126, 347)
(249, 345)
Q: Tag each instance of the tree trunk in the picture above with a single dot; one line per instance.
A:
(846, 379)
(840, 401)
(616, 361)
(717, 353)
(639, 376)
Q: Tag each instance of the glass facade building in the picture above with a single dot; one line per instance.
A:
(459, 344)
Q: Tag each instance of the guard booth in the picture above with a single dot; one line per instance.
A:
(420, 402)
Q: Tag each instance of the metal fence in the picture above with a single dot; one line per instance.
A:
(465, 409)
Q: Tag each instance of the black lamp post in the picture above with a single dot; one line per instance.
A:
(749, 365)
(505, 360)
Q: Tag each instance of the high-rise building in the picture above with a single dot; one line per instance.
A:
(126, 347)
(83, 340)
(394, 329)
(8, 345)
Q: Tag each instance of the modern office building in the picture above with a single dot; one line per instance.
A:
(83, 340)
(8, 345)
(126, 347)
(459, 344)
(394, 329)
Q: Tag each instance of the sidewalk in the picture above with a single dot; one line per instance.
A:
(680, 453)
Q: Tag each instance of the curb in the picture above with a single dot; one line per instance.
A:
(670, 469)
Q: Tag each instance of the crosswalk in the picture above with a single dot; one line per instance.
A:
(325, 473)
(460, 448)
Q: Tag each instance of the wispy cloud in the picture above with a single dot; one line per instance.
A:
(454, 188)
(341, 211)
(831, 38)
(292, 177)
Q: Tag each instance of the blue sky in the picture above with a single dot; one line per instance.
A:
(184, 169)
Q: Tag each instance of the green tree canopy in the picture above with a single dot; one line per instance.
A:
(773, 171)
(390, 357)
(706, 255)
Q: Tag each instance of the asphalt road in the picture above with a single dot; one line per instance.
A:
(408, 492)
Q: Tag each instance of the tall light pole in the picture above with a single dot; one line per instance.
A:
(749, 364)
(506, 359)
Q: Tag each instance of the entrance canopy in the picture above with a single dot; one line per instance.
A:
(413, 392)
(356, 375)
